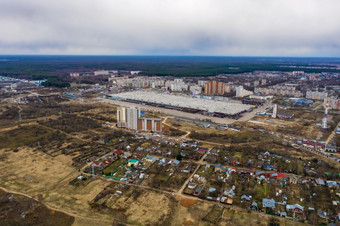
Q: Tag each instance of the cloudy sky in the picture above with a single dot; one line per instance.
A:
(171, 27)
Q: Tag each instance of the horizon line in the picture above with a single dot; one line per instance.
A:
(163, 55)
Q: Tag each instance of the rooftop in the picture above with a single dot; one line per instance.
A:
(133, 160)
(184, 101)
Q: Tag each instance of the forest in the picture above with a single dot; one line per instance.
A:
(53, 67)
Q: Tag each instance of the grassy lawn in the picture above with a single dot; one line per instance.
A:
(237, 155)
(214, 215)
(113, 166)
(261, 191)
(146, 144)
(114, 141)
(202, 171)
(228, 213)
(120, 172)
(155, 168)
(163, 176)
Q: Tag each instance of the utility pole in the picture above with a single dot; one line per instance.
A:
(20, 119)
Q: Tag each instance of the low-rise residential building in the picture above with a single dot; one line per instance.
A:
(296, 208)
(268, 203)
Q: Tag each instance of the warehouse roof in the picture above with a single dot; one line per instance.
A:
(228, 108)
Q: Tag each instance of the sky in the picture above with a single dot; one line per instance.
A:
(171, 27)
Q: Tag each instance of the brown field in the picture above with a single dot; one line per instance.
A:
(187, 202)
(302, 125)
(191, 127)
(47, 179)
(20, 210)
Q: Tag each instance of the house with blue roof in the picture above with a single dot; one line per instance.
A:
(229, 193)
(219, 168)
(198, 190)
(259, 173)
(151, 158)
(320, 182)
(266, 166)
(322, 214)
(332, 184)
(245, 198)
(253, 206)
(283, 214)
(268, 203)
(212, 190)
(176, 162)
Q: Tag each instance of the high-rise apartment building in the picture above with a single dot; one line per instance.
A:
(131, 118)
(127, 117)
(214, 88)
(121, 117)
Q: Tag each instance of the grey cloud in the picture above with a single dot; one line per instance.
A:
(177, 27)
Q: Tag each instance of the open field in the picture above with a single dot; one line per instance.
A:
(244, 136)
(20, 210)
(47, 178)
(173, 132)
(304, 124)
(30, 136)
(135, 205)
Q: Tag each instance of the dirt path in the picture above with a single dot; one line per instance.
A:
(200, 162)
(179, 193)
(167, 124)
(331, 136)
(185, 136)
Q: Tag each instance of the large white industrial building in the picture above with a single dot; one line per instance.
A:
(185, 102)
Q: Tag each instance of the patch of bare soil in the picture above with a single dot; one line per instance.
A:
(187, 202)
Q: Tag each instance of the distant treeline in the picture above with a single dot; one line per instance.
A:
(42, 67)
(56, 83)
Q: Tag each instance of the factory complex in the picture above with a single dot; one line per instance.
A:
(184, 103)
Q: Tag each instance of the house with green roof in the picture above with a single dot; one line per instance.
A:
(132, 162)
